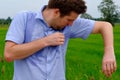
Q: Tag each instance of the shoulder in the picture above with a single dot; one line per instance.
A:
(23, 14)
(83, 21)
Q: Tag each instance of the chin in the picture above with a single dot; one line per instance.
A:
(59, 27)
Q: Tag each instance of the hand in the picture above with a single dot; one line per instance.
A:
(109, 62)
(54, 39)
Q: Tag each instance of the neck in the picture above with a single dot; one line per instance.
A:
(47, 16)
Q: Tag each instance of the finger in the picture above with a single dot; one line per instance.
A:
(60, 43)
(114, 66)
(104, 68)
(61, 37)
(61, 34)
(108, 69)
(61, 40)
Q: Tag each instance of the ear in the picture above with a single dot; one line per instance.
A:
(56, 12)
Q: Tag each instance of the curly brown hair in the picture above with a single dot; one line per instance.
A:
(67, 6)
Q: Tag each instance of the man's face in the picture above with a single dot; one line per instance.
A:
(61, 22)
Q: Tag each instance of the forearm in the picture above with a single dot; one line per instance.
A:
(20, 51)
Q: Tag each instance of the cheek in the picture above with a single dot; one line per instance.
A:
(65, 22)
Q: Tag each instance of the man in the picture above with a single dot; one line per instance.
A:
(37, 42)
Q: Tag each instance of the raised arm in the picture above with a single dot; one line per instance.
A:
(109, 61)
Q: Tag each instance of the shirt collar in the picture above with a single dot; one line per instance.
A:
(39, 13)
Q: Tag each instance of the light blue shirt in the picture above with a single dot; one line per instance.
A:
(48, 63)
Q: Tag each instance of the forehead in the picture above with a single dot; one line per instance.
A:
(72, 16)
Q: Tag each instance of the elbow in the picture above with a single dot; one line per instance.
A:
(8, 57)
(107, 27)
(107, 24)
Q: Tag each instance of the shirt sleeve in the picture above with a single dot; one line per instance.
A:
(81, 28)
(16, 29)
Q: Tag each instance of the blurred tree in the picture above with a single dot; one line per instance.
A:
(5, 21)
(109, 11)
(86, 16)
(8, 20)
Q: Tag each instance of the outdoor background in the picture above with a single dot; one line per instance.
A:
(84, 57)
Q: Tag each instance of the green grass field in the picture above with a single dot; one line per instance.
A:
(84, 58)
